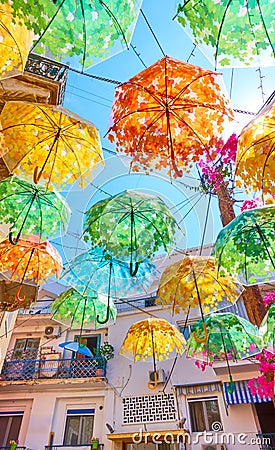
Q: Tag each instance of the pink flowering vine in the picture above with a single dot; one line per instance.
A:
(263, 385)
(217, 164)
(269, 299)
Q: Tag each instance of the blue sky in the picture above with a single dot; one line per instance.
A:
(93, 99)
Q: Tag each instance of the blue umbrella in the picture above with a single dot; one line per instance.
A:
(98, 271)
(77, 347)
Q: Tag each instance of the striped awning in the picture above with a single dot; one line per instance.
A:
(199, 388)
(242, 394)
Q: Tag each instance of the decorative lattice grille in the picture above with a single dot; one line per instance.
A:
(149, 408)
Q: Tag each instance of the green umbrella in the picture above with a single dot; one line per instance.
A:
(79, 32)
(71, 307)
(29, 209)
(131, 226)
(231, 33)
(246, 246)
(267, 330)
(224, 337)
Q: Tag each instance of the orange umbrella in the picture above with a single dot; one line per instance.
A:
(15, 43)
(166, 115)
(30, 261)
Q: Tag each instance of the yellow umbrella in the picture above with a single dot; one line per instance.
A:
(195, 282)
(15, 43)
(255, 154)
(49, 143)
(152, 338)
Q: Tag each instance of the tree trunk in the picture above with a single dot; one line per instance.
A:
(251, 296)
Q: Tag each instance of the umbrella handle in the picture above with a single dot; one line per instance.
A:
(14, 241)
(17, 295)
(153, 385)
(133, 272)
(204, 338)
(106, 318)
(36, 175)
(231, 387)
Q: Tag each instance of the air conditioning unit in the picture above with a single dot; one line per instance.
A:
(213, 447)
(51, 331)
(161, 378)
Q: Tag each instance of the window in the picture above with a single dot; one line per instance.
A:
(10, 424)
(203, 413)
(79, 426)
(26, 348)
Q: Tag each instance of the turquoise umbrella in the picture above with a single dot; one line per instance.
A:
(96, 270)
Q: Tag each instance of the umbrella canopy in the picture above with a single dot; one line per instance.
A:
(152, 338)
(29, 209)
(15, 43)
(77, 347)
(75, 309)
(132, 226)
(267, 330)
(79, 32)
(229, 337)
(95, 270)
(30, 261)
(228, 334)
(166, 116)
(49, 143)
(246, 246)
(195, 281)
(255, 164)
(216, 27)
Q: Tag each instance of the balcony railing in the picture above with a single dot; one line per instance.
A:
(266, 441)
(17, 448)
(31, 369)
(73, 446)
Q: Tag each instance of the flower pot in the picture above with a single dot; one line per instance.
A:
(13, 446)
(95, 444)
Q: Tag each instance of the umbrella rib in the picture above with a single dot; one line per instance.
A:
(220, 31)
(14, 40)
(84, 34)
(265, 242)
(190, 128)
(156, 229)
(49, 24)
(265, 164)
(156, 109)
(116, 23)
(263, 21)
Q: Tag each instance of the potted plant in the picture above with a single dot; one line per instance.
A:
(104, 353)
(13, 444)
(95, 443)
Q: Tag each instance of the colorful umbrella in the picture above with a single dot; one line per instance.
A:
(194, 281)
(30, 261)
(29, 209)
(152, 338)
(77, 347)
(71, 308)
(255, 154)
(231, 33)
(229, 337)
(8, 291)
(267, 330)
(246, 246)
(80, 32)
(49, 142)
(166, 116)
(95, 270)
(15, 43)
(132, 226)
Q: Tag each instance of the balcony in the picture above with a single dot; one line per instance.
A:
(72, 447)
(266, 441)
(16, 370)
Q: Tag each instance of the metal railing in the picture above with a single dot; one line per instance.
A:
(73, 446)
(266, 441)
(31, 369)
(44, 67)
(17, 448)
